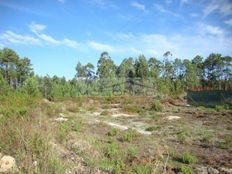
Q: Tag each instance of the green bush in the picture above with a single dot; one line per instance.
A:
(153, 128)
(156, 106)
(129, 135)
(188, 158)
(182, 136)
(142, 169)
(184, 169)
(113, 132)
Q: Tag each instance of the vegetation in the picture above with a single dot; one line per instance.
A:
(49, 124)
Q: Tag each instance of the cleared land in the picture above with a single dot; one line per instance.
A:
(128, 135)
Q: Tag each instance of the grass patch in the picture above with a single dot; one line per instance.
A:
(142, 169)
(188, 158)
(129, 135)
(182, 136)
(156, 106)
(153, 128)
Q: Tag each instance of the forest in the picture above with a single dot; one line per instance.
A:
(134, 76)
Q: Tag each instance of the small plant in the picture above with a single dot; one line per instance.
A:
(226, 143)
(132, 152)
(104, 113)
(113, 132)
(219, 108)
(111, 150)
(129, 135)
(76, 126)
(142, 169)
(182, 136)
(188, 158)
(184, 169)
(207, 137)
(156, 106)
(153, 128)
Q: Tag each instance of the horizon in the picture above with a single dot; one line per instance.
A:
(64, 33)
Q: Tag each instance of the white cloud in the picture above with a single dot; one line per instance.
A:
(70, 43)
(228, 22)
(222, 6)
(100, 46)
(37, 28)
(139, 6)
(209, 29)
(48, 39)
(11, 37)
(182, 46)
(164, 10)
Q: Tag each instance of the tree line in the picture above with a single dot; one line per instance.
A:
(134, 76)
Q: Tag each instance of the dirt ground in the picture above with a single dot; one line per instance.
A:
(161, 138)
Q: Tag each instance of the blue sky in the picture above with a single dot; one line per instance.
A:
(56, 34)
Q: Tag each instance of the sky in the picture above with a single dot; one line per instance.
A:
(56, 34)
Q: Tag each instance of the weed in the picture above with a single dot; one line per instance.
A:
(142, 169)
(153, 128)
(76, 126)
(132, 109)
(188, 158)
(219, 108)
(113, 132)
(104, 113)
(207, 137)
(182, 136)
(111, 150)
(226, 143)
(184, 169)
(129, 135)
(156, 106)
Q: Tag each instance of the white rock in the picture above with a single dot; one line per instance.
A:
(61, 115)
(60, 119)
(7, 164)
(173, 117)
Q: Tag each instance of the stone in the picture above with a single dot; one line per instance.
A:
(212, 170)
(226, 170)
(7, 164)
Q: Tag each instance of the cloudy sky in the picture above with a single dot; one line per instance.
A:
(56, 34)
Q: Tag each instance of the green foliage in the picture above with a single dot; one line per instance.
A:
(4, 88)
(113, 132)
(184, 169)
(188, 158)
(182, 136)
(219, 108)
(31, 87)
(153, 128)
(207, 137)
(156, 106)
(129, 135)
(142, 169)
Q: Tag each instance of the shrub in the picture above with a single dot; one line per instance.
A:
(219, 108)
(156, 106)
(188, 158)
(207, 137)
(153, 128)
(182, 136)
(142, 169)
(113, 132)
(129, 135)
(184, 169)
